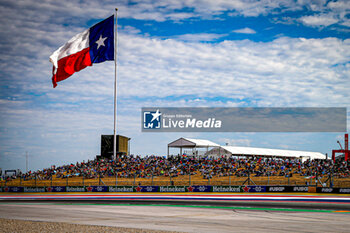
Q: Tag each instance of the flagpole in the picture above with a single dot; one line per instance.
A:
(115, 86)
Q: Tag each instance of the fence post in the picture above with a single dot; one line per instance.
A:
(316, 178)
(331, 181)
(248, 177)
(67, 181)
(116, 179)
(170, 180)
(268, 180)
(84, 180)
(134, 179)
(51, 180)
(189, 176)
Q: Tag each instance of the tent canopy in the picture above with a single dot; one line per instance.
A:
(191, 143)
(252, 151)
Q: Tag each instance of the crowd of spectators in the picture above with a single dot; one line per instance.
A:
(208, 167)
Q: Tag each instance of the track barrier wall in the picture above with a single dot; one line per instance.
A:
(174, 189)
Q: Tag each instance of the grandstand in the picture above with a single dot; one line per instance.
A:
(184, 170)
(222, 165)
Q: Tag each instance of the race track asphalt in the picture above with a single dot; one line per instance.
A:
(186, 212)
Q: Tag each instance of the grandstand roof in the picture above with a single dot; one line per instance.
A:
(187, 142)
(237, 150)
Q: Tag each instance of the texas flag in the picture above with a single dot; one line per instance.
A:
(94, 45)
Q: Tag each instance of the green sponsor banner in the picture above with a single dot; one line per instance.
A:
(231, 189)
(173, 189)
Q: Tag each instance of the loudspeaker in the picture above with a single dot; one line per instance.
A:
(122, 143)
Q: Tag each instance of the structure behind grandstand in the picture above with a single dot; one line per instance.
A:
(238, 151)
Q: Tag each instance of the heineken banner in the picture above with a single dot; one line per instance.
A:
(124, 189)
(173, 189)
(75, 189)
(34, 189)
(225, 189)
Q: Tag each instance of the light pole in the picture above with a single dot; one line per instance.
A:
(26, 161)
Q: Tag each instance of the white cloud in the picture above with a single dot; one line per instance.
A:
(201, 37)
(319, 20)
(321, 12)
(129, 30)
(244, 31)
(154, 72)
(285, 71)
(64, 124)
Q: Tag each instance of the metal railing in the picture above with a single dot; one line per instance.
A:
(184, 180)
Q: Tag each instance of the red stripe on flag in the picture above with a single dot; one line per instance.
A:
(71, 64)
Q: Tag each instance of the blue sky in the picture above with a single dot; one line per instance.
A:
(176, 53)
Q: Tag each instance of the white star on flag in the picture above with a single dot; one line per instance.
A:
(101, 41)
(156, 115)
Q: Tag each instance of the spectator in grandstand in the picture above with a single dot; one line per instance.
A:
(148, 166)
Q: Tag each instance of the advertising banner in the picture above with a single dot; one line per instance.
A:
(254, 189)
(344, 190)
(300, 189)
(224, 189)
(172, 189)
(332, 190)
(97, 189)
(13, 189)
(279, 188)
(147, 189)
(126, 189)
(200, 188)
(34, 189)
(56, 189)
(75, 189)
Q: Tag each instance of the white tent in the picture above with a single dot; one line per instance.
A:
(191, 143)
(252, 151)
